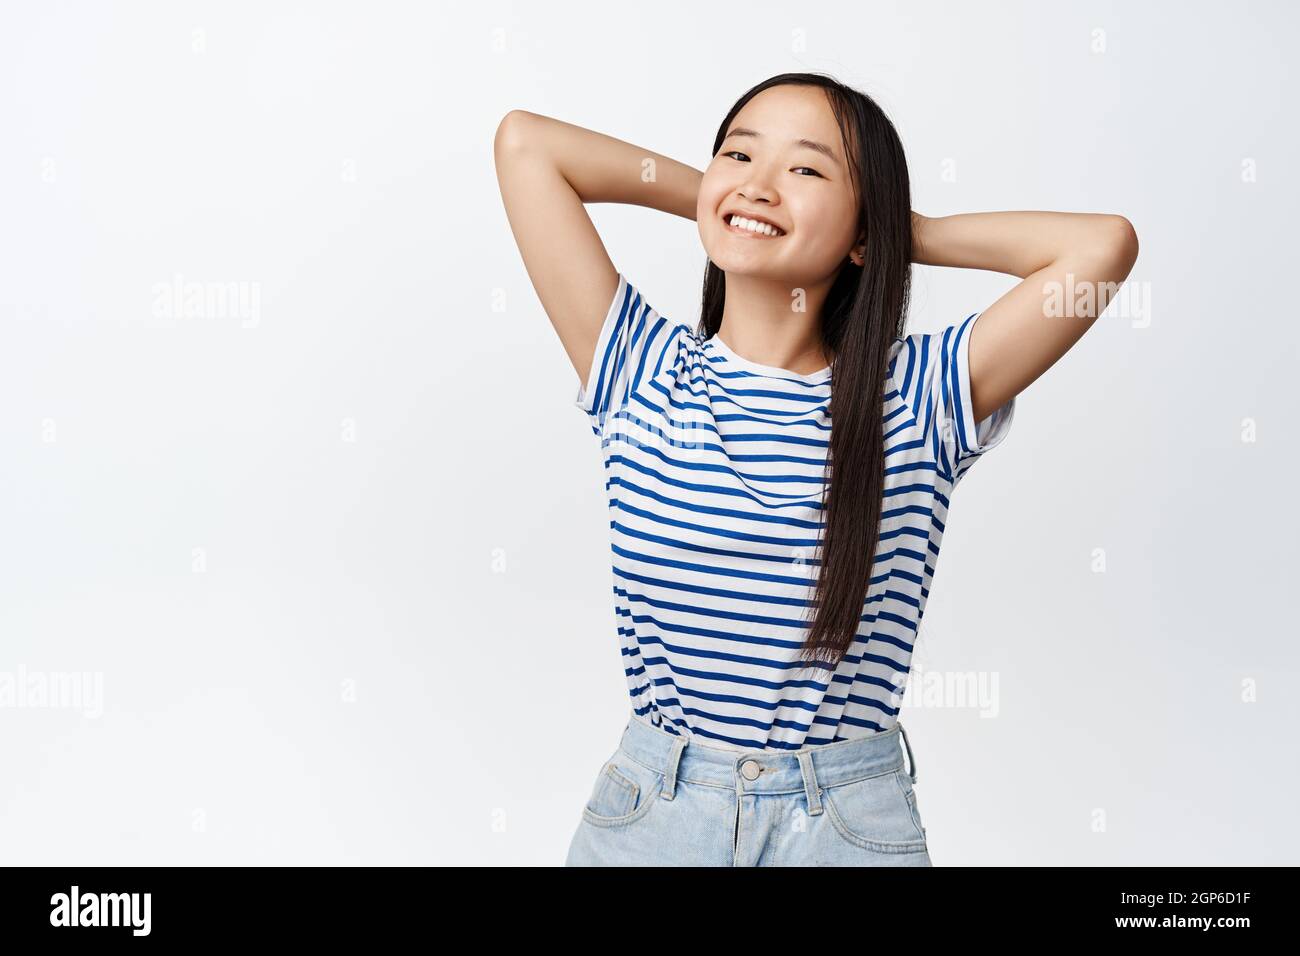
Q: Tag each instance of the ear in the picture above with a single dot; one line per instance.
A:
(857, 255)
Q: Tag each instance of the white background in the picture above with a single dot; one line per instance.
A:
(401, 648)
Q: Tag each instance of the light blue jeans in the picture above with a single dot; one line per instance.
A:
(667, 800)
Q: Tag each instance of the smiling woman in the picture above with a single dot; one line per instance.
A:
(770, 571)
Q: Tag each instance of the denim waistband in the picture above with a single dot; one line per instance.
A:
(682, 757)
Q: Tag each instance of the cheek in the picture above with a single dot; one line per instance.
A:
(711, 195)
(712, 190)
(827, 231)
(704, 207)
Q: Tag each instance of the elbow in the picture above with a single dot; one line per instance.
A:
(511, 132)
(1122, 242)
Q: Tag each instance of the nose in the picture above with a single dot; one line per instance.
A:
(756, 187)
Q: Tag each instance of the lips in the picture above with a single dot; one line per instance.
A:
(743, 231)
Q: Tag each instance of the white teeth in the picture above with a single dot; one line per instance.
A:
(752, 225)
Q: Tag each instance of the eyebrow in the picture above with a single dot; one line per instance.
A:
(805, 143)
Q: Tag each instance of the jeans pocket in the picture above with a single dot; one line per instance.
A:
(876, 813)
(910, 791)
(623, 793)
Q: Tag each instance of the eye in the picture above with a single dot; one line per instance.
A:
(744, 158)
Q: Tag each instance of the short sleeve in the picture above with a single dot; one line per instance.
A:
(634, 344)
(932, 371)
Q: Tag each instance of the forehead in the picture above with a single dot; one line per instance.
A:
(782, 116)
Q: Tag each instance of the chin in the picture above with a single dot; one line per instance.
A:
(739, 263)
(739, 266)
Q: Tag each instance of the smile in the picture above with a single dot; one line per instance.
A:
(741, 226)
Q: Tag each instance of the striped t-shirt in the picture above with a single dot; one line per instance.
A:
(713, 471)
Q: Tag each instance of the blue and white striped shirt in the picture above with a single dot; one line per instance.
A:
(714, 468)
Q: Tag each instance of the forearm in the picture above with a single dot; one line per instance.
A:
(601, 168)
(1016, 243)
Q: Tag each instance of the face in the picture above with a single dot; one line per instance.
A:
(762, 168)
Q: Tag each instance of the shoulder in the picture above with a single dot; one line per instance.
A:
(638, 309)
(921, 354)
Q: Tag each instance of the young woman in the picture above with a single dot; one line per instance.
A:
(770, 571)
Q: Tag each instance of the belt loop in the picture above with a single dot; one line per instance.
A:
(670, 773)
(810, 782)
(911, 761)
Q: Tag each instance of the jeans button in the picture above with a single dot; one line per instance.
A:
(750, 769)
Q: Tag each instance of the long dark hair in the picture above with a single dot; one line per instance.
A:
(864, 311)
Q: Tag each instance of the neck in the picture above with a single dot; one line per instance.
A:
(764, 321)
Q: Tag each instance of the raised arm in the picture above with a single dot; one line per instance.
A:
(547, 170)
(1019, 336)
